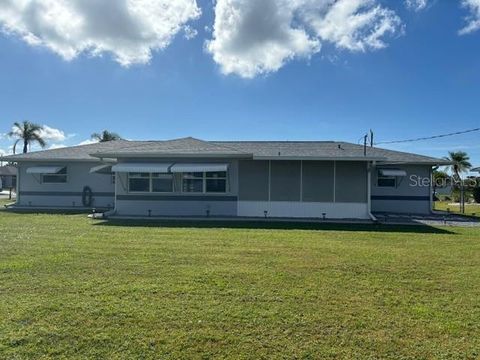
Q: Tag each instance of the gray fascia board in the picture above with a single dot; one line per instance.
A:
(320, 158)
(20, 160)
(430, 163)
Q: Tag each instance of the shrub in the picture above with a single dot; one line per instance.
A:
(476, 194)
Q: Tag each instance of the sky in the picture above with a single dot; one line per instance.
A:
(243, 70)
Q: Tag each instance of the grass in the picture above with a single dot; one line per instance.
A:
(73, 288)
(471, 210)
(5, 201)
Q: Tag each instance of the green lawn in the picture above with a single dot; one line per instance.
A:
(471, 210)
(73, 288)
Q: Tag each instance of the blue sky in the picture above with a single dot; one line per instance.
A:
(424, 79)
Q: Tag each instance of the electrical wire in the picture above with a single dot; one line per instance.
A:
(428, 137)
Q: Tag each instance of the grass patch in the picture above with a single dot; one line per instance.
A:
(470, 210)
(74, 288)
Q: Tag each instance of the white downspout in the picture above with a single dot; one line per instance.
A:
(106, 214)
(114, 210)
(369, 190)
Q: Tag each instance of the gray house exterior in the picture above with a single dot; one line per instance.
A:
(192, 177)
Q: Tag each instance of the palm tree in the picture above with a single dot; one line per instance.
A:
(460, 164)
(440, 179)
(28, 133)
(105, 136)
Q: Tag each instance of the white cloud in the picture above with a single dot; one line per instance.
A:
(128, 29)
(52, 134)
(56, 146)
(356, 25)
(473, 19)
(253, 37)
(416, 5)
(189, 32)
(88, 142)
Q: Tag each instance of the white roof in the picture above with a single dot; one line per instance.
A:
(198, 167)
(44, 169)
(142, 167)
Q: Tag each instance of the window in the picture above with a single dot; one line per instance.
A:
(57, 178)
(162, 182)
(147, 182)
(216, 182)
(139, 182)
(386, 181)
(205, 182)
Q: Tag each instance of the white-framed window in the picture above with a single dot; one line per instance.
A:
(150, 182)
(57, 178)
(204, 182)
(386, 181)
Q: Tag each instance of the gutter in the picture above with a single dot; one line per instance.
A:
(369, 190)
(318, 158)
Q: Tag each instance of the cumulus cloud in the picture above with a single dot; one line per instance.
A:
(473, 19)
(128, 29)
(51, 134)
(416, 5)
(253, 37)
(356, 25)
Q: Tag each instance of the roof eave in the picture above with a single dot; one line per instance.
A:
(20, 159)
(320, 158)
(426, 162)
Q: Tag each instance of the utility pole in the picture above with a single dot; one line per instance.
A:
(365, 138)
(371, 138)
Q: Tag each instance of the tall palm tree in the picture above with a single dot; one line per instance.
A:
(28, 133)
(105, 136)
(460, 164)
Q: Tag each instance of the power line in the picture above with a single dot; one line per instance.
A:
(428, 137)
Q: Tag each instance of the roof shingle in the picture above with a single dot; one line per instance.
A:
(194, 147)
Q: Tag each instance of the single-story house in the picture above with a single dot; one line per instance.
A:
(8, 177)
(192, 177)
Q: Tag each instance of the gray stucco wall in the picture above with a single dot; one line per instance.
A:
(178, 203)
(32, 192)
(408, 197)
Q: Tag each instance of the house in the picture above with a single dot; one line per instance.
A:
(8, 176)
(192, 177)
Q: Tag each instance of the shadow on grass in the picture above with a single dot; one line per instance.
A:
(52, 211)
(276, 225)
